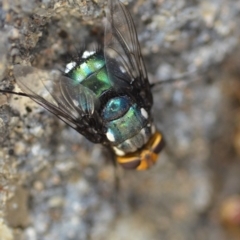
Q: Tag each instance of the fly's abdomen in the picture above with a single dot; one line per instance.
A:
(92, 74)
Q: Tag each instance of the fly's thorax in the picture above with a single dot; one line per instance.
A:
(131, 133)
(135, 142)
(123, 119)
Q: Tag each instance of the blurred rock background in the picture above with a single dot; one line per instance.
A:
(55, 184)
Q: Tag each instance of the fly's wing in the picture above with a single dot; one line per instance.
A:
(73, 104)
(121, 48)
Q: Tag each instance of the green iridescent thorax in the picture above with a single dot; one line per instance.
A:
(92, 74)
(127, 125)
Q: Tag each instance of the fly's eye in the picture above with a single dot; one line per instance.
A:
(116, 108)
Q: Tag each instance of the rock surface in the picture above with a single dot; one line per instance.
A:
(54, 184)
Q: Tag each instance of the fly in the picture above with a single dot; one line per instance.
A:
(105, 95)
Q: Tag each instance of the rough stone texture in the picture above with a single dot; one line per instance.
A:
(54, 184)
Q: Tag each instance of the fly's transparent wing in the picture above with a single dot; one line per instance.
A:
(121, 45)
(73, 104)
